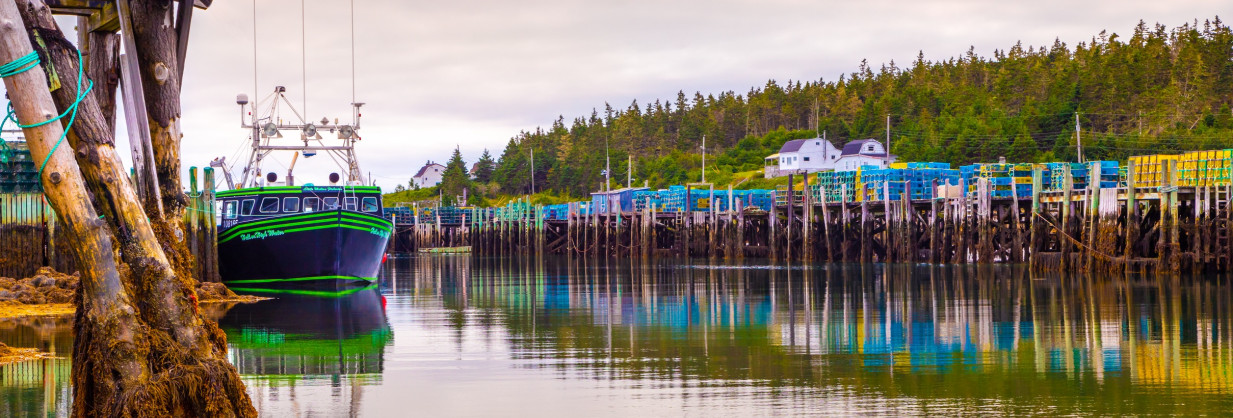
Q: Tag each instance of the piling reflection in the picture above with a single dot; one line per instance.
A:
(989, 338)
(36, 387)
(306, 354)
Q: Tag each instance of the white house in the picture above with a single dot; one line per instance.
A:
(429, 175)
(863, 152)
(817, 154)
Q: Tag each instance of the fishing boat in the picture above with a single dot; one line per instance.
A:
(276, 235)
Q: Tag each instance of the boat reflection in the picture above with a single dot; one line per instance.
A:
(314, 344)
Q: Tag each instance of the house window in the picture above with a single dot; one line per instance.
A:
(269, 205)
(310, 204)
(246, 207)
(832, 157)
(817, 142)
(806, 158)
(870, 148)
(291, 204)
(229, 210)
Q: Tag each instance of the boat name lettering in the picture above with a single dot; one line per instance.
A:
(261, 234)
(379, 232)
(322, 189)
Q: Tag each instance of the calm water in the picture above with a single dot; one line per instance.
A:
(464, 336)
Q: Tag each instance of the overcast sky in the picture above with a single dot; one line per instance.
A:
(471, 74)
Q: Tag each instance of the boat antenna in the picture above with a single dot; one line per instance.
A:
(353, 51)
(303, 63)
(254, 113)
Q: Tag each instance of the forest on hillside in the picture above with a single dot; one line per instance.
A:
(1155, 90)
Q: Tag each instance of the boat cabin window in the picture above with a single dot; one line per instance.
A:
(246, 207)
(229, 209)
(291, 204)
(350, 203)
(310, 204)
(331, 203)
(269, 205)
(370, 204)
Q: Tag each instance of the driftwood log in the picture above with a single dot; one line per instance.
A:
(141, 346)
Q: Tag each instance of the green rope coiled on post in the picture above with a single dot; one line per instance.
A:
(25, 63)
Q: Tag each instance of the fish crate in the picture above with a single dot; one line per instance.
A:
(924, 165)
(1204, 168)
(18, 173)
(918, 181)
(643, 198)
(834, 181)
(556, 212)
(1149, 169)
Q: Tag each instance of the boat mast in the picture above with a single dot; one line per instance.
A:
(266, 128)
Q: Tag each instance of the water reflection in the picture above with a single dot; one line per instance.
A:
(36, 387)
(505, 336)
(305, 355)
(873, 338)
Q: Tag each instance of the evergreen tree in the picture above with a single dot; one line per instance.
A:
(455, 179)
(484, 167)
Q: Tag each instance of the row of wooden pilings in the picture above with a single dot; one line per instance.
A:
(29, 238)
(1093, 228)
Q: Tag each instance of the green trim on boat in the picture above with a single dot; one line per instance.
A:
(302, 279)
(302, 292)
(285, 218)
(256, 228)
(385, 228)
(287, 231)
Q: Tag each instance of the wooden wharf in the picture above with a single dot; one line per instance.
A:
(1094, 228)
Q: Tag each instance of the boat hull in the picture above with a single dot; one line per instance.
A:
(323, 250)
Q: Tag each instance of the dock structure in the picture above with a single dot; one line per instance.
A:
(1130, 226)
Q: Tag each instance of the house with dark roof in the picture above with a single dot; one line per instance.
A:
(818, 154)
(429, 175)
(863, 152)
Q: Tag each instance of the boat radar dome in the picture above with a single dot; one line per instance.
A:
(334, 178)
(241, 99)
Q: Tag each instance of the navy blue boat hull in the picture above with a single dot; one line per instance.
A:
(324, 251)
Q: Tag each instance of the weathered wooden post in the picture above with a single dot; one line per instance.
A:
(1064, 237)
(1034, 235)
(826, 223)
(1174, 242)
(844, 223)
(888, 238)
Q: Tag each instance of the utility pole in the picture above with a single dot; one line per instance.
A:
(607, 165)
(886, 156)
(704, 158)
(1078, 138)
(629, 172)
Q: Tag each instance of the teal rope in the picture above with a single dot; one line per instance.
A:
(25, 63)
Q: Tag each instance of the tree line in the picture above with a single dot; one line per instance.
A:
(1158, 90)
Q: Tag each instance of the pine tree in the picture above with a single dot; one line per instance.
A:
(455, 179)
(484, 168)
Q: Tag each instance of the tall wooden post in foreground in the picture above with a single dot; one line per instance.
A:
(123, 320)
